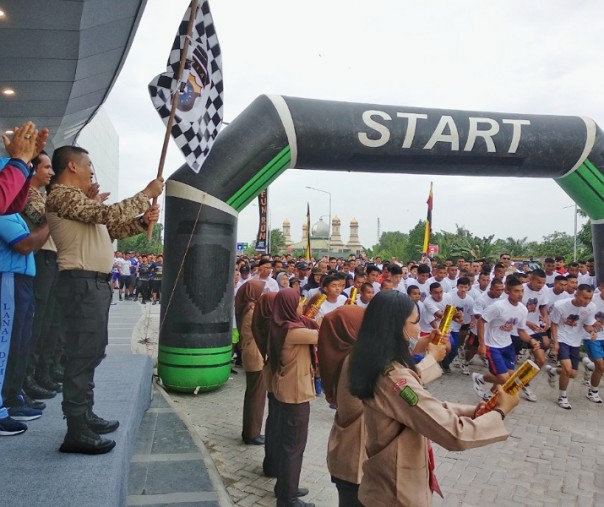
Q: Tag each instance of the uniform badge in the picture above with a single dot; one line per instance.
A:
(409, 396)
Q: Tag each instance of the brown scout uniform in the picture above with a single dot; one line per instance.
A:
(346, 451)
(250, 355)
(400, 418)
(293, 383)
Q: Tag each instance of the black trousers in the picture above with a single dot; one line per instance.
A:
(84, 298)
(293, 422)
(348, 493)
(271, 438)
(43, 342)
(253, 405)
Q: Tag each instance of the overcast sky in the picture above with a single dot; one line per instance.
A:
(537, 57)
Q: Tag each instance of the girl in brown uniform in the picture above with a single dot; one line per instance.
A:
(401, 417)
(346, 447)
(260, 328)
(290, 339)
(253, 362)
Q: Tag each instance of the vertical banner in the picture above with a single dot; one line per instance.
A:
(307, 252)
(262, 236)
(428, 230)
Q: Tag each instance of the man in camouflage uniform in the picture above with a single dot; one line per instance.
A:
(83, 229)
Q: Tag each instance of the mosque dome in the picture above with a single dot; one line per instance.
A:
(336, 220)
(320, 230)
(286, 222)
(354, 221)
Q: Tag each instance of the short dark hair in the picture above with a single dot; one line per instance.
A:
(395, 269)
(63, 155)
(372, 267)
(434, 285)
(560, 278)
(412, 288)
(464, 280)
(423, 269)
(326, 280)
(379, 341)
(512, 281)
(539, 273)
(585, 287)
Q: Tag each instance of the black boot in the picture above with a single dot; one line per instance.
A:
(99, 425)
(35, 391)
(44, 380)
(81, 439)
(57, 372)
(294, 502)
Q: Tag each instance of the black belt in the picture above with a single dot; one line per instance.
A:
(82, 273)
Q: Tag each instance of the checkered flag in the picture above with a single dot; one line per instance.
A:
(199, 109)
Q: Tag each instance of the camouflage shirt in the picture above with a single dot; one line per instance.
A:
(84, 229)
(34, 212)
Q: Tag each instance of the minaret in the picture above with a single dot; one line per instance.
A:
(354, 244)
(287, 232)
(336, 244)
(304, 232)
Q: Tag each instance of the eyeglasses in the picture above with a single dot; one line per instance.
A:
(506, 258)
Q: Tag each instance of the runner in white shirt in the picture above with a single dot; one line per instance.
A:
(435, 304)
(332, 288)
(265, 268)
(372, 275)
(570, 318)
(423, 273)
(365, 295)
(549, 267)
(556, 292)
(595, 348)
(462, 322)
(494, 294)
(536, 300)
(495, 328)
(440, 276)
(478, 289)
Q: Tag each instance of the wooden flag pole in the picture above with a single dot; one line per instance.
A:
(181, 67)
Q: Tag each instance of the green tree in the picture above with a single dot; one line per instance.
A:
(585, 247)
(277, 244)
(556, 243)
(140, 244)
(391, 244)
(515, 247)
(415, 243)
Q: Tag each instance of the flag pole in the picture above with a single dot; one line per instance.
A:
(183, 60)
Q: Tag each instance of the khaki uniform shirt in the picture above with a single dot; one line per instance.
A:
(293, 382)
(400, 418)
(346, 451)
(250, 355)
(83, 229)
(34, 212)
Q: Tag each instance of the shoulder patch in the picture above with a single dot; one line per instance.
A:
(409, 396)
(398, 385)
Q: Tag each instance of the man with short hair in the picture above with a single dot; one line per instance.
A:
(478, 289)
(372, 274)
(549, 266)
(423, 273)
(570, 318)
(435, 304)
(366, 295)
(559, 265)
(439, 274)
(496, 326)
(265, 268)
(83, 229)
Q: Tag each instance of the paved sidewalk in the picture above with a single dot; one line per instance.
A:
(553, 457)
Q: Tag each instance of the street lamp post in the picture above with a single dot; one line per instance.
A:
(329, 224)
(575, 231)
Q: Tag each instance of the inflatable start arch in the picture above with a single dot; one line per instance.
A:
(276, 133)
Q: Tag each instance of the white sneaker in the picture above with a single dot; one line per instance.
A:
(563, 402)
(529, 394)
(594, 396)
(552, 375)
(465, 368)
(479, 386)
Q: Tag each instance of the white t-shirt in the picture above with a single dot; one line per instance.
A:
(503, 320)
(435, 306)
(587, 278)
(533, 300)
(360, 304)
(270, 284)
(466, 305)
(570, 320)
(552, 297)
(444, 283)
(124, 266)
(327, 307)
(549, 279)
(424, 325)
(599, 304)
(476, 292)
(484, 301)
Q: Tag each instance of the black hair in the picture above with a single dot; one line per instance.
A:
(413, 287)
(372, 267)
(560, 278)
(35, 161)
(539, 273)
(434, 285)
(585, 287)
(380, 341)
(423, 269)
(496, 281)
(548, 260)
(63, 155)
(512, 281)
(464, 280)
(340, 275)
(395, 269)
(366, 285)
(326, 280)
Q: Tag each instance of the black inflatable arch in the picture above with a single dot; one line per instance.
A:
(276, 133)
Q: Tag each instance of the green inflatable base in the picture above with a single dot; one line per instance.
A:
(189, 370)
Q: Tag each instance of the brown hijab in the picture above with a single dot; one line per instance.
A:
(285, 317)
(261, 321)
(246, 296)
(337, 337)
